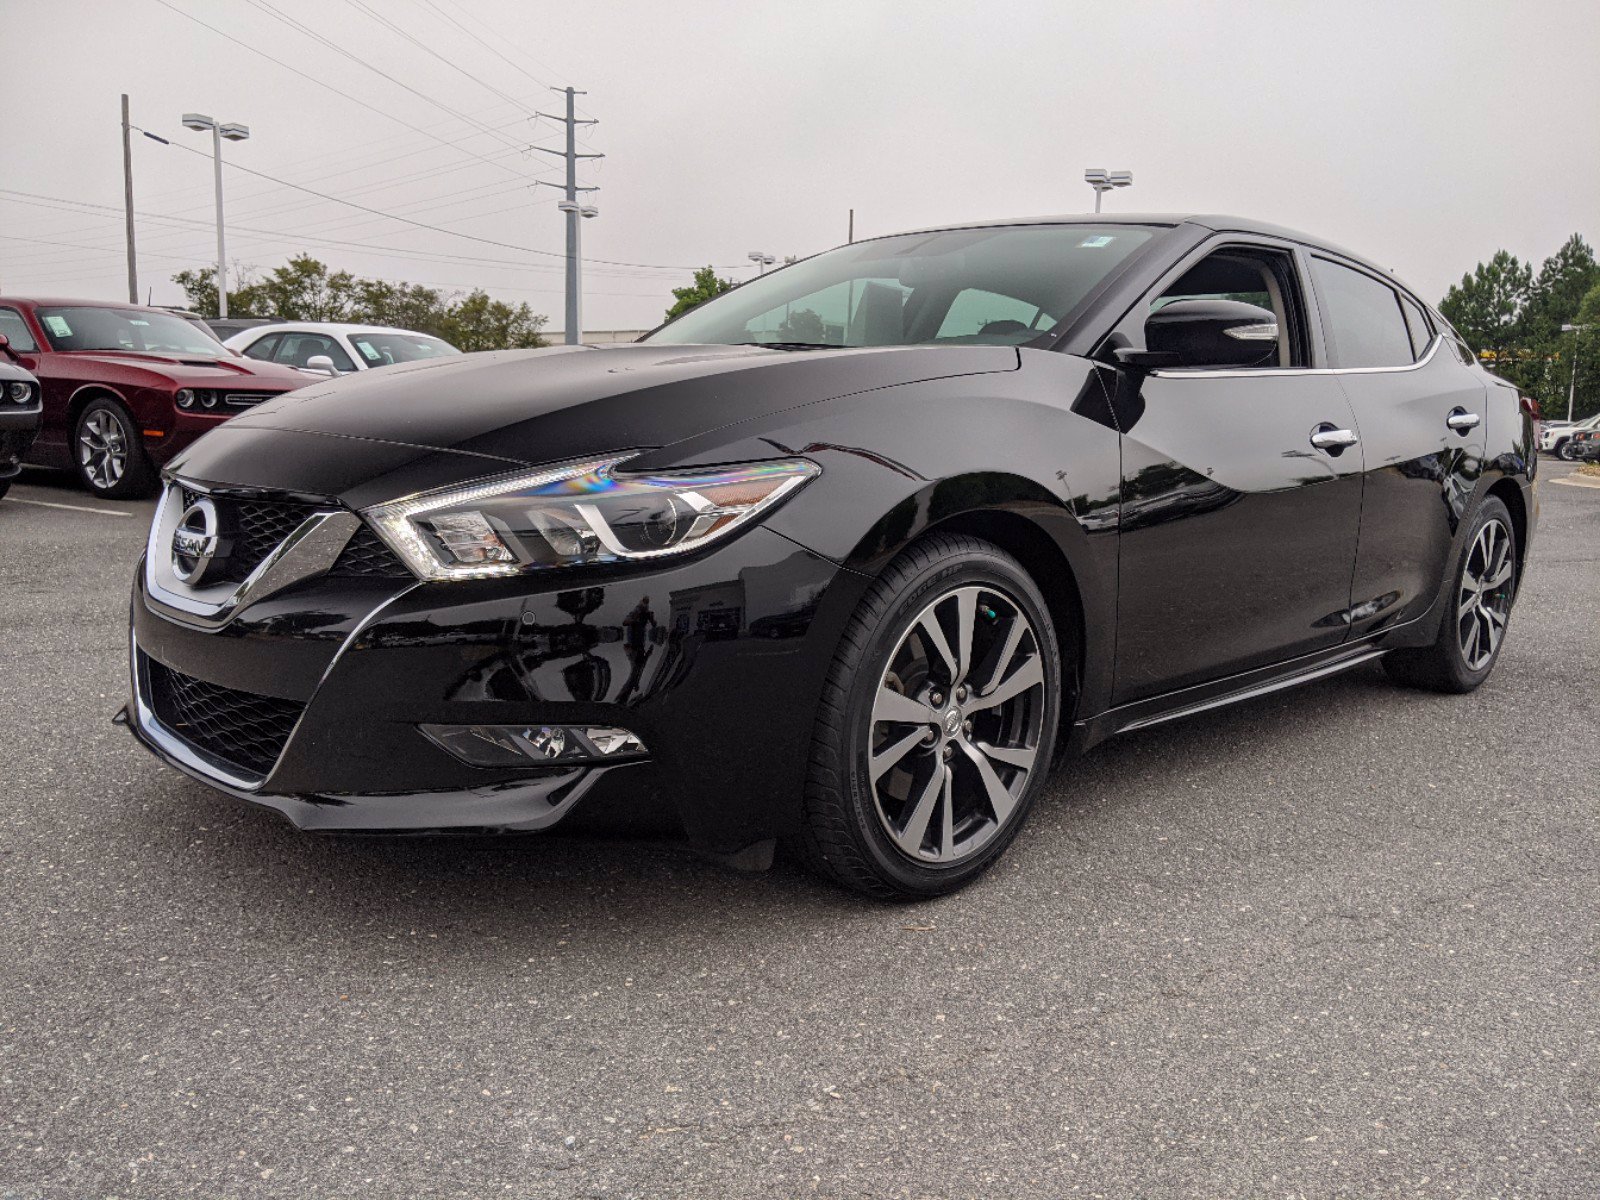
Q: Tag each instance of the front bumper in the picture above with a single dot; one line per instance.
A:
(716, 664)
(18, 427)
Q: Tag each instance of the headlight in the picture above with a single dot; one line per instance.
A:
(20, 392)
(185, 397)
(577, 513)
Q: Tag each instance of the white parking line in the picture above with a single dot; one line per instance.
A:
(104, 512)
(1578, 481)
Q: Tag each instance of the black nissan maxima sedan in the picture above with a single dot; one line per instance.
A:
(844, 559)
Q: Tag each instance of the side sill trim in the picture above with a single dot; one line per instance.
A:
(1260, 689)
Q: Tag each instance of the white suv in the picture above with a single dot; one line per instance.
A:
(1556, 436)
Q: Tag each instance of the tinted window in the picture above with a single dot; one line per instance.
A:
(15, 328)
(262, 348)
(1417, 325)
(899, 290)
(1367, 326)
(298, 349)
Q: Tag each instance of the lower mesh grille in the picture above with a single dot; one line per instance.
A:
(242, 728)
(366, 554)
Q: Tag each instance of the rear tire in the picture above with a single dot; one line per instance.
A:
(1479, 594)
(947, 681)
(108, 453)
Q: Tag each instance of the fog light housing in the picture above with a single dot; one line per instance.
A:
(536, 745)
(184, 397)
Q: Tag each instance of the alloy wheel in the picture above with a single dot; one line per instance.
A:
(1483, 603)
(956, 725)
(103, 448)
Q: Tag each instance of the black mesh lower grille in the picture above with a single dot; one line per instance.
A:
(366, 554)
(240, 727)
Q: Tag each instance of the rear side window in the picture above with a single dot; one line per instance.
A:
(1416, 325)
(1367, 326)
(16, 329)
(262, 348)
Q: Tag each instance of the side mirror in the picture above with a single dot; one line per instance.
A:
(1212, 333)
(322, 363)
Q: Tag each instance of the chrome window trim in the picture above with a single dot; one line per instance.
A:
(310, 550)
(1254, 373)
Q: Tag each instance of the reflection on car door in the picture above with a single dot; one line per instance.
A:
(1238, 535)
(1421, 413)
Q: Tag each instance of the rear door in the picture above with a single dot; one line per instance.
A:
(1421, 413)
(1238, 531)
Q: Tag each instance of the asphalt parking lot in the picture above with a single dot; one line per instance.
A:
(1340, 941)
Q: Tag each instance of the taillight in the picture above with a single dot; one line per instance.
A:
(1531, 407)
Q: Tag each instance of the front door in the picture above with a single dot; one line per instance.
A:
(1241, 497)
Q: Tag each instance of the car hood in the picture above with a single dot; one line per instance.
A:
(197, 370)
(480, 413)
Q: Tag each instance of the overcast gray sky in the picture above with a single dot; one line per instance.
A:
(1425, 135)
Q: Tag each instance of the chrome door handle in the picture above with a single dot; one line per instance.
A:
(1326, 437)
(1461, 420)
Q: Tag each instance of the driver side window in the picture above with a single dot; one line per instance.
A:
(1239, 308)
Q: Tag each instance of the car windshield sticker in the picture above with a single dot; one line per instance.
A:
(366, 348)
(58, 326)
(1094, 243)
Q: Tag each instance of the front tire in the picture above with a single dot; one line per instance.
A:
(1482, 588)
(1565, 451)
(108, 453)
(937, 725)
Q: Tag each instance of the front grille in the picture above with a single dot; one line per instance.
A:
(257, 527)
(366, 554)
(246, 399)
(241, 728)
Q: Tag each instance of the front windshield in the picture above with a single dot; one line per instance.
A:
(1001, 285)
(381, 349)
(134, 329)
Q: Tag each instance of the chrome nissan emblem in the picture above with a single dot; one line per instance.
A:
(952, 722)
(195, 541)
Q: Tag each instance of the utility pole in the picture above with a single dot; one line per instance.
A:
(127, 200)
(575, 212)
(1572, 387)
(852, 234)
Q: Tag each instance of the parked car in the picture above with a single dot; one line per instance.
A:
(20, 412)
(127, 387)
(346, 348)
(223, 328)
(1585, 443)
(1555, 437)
(845, 555)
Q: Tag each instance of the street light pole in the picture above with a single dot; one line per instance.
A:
(1577, 332)
(762, 259)
(127, 201)
(1102, 181)
(219, 132)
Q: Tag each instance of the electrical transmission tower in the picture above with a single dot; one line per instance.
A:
(575, 212)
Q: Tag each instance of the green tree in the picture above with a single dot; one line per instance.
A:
(478, 323)
(304, 289)
(1486, 306)
(705, 285)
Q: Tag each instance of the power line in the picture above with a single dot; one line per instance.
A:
(233, 166)
(423, 46)
(336, 91)
(278, 15)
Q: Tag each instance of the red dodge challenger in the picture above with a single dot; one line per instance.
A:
(127, 387)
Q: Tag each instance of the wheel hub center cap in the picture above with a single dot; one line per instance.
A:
(952, 722)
